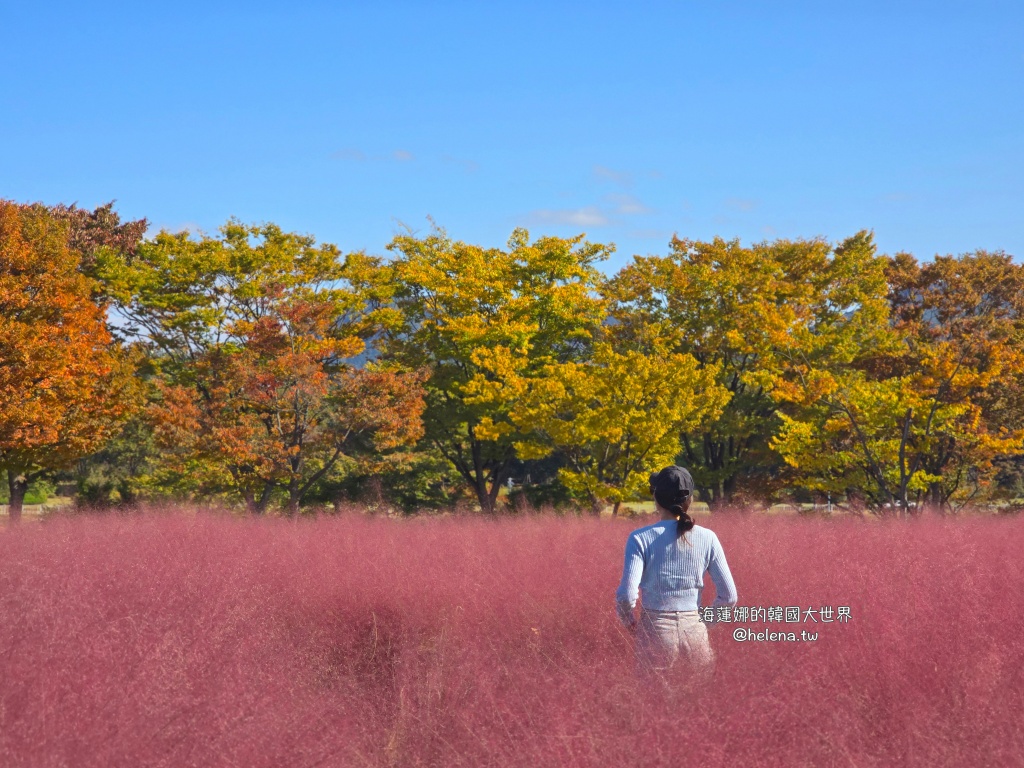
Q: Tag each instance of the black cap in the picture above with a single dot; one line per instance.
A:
(671, 485)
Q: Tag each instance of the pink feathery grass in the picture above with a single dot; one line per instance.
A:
(205, 640)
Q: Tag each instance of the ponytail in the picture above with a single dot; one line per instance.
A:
(683, 521)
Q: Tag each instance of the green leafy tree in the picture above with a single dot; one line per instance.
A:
(120, 473)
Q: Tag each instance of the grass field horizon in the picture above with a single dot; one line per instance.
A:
(60, 506)
(204, 639)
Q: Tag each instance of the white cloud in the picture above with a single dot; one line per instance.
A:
(742, 204)
(622, 178)
(613, 208)
(354, 155)
(591, 216)
(469, 166)
(627, 205)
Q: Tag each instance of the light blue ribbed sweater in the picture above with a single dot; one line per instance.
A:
(670, 572)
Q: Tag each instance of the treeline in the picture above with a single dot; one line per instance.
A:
(263, 368)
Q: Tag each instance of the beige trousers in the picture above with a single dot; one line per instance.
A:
(664, 638)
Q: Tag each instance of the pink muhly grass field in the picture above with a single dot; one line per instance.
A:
(204, 640)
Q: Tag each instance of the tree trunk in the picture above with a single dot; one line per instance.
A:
(264, 500)
(487, 495)
(492, 494)
(257, 506)
(294, 496)
(17, 485)
(615, 509)
(729, 488)
(482, 496)
(904, 474)
(713, 496)
(250, 502)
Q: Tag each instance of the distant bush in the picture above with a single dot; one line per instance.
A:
(38, 492)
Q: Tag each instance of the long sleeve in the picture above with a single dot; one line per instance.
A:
(725, 587)
(629, 588)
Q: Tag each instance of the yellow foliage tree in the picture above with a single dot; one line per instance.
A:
(615, 417)
(446, 304)
(735, 309)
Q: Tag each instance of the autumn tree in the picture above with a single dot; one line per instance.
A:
(443, 302)
(615, 417)
(89, 232)
(734, 309)
(879, 391)
(962, 319)
(254, 336)
(64, 384)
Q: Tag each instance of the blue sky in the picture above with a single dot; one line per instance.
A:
(627, 121)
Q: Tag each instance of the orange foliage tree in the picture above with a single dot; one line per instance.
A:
(65, 385)
(254, 338)
(962, 318)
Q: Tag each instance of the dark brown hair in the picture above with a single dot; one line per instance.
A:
(676, 505)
